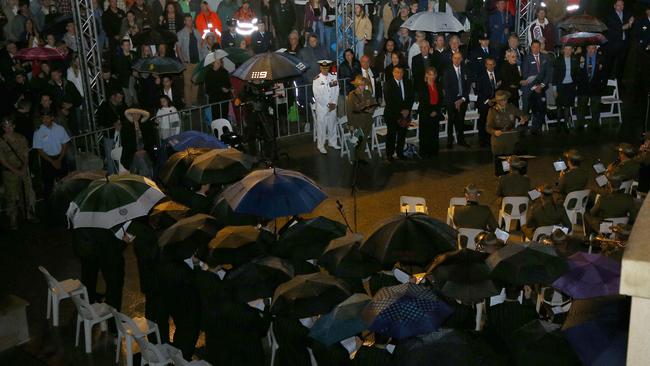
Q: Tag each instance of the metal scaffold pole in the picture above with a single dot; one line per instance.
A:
(524, 15)
(344, 27)
(90, 58)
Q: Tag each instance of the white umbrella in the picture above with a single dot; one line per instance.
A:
(220, 55)
(433, 22)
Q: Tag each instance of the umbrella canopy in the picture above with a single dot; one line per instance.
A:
(189, 234)
(234, 245)
(199, 73)
(590, 275)
(541, 343)
(158, 65)
(597, 329)
(582, 23)
(173, 171)
(39, 54)
(306, 239)
(270, 66)
(527, 263)
(342, 322)
(308, 295)
(167, 213)
(343, 259)
(153, 37)
(259, 278)
(405, 310)
(219, 166)
(445, 347)
(435, 22)
(582, 38)
(195, 139)
(113, 200)
(273, 193)
(463, 275)
(409, 239)
(225, 215)
(237, 55)
(69, 186)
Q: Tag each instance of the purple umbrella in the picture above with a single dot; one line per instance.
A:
(590, 275)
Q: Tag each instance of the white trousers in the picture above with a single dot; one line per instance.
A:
(325, 126)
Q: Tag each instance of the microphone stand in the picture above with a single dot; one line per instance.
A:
(355, 168)
(339, 206)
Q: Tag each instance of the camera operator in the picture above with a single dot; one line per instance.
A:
(257, 98)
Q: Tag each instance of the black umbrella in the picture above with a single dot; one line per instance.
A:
(173, 171)
(189, 235)
(540, 343)
(527, 263)
(409, 239)
(306, 239)
(308, 295)
(343, 259)
(225, 215)
(167, 213)
(220, 166)
(153, 37)
(445, 347)
(234, 245)
(158, 65)
(463, 275)
(259, 278)
(69, 186)
(270, 66)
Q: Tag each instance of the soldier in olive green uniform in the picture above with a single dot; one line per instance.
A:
(516, 183)
(573, 178)
(474, 215)
(545, 212)
(19, 196)
(616, 203)
(625, 167)
(501, 124)
(361, 105)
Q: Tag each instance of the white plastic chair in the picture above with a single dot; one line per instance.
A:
(501, 297)
(559, 304)
(378, 129)
(542, 230)
(90, 315)
(411, 204)
(516, 214)
(577, 199)
(312, 359)
(627, 186)
(480, 310)
(614, 101)
(59, 290)
(178, 360)
(454, 201)
(130, 328)
(273, 343)
(472, 114)
(154, 354)
(219, 124)
(470, 234)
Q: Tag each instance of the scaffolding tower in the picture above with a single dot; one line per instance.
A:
(525, 14)
(344, 27)
(90, 59)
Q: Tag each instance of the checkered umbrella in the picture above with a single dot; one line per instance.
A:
(405, 310)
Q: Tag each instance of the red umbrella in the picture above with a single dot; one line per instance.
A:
(39, 54)
(581, 38)
(582, 23)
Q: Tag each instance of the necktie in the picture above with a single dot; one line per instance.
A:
(485, 51)
(401, 88)
(620, 15)
(537, 63)
(460, 83)
(590, 69)
(366, 75)
(493, 82)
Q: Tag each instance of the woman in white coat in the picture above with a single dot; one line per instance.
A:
(168, 119)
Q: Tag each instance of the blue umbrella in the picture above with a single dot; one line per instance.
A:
(405, 310)
(273, 193)
(597, 330)
(196, 139)
(342, 322)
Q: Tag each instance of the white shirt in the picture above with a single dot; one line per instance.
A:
(367, 73)
(413, 51)
(168, 93)
(75, 80)
(50, 139)
(326, 89)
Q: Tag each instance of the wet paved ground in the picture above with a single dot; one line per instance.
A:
(379, 187)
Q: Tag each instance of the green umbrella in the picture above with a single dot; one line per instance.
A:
(114, 200)
(237, 55)
(220, 166)
(69, 186)
(173, 171)
(158, 65)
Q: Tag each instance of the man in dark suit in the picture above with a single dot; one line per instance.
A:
(230, 38)
(398, 94)
(487, 83)
(478, 56)
(619, 23)
(261, 40)
(454, 47)
(591, 80)
(438, 53)
(500, 24)
(565, 73)
(121, 67)
(456, 86)
(172, 90)
(420, 63)
(536, 71)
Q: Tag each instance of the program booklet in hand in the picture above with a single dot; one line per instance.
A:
(559, 166)
(601, 180)
(501, 235)
(506, 166)
(599, 168)
(534, 194)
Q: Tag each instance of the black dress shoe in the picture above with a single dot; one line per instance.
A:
(362, 162)
(450, 146)
(463, 144)
(390, 159)
(402, 157)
